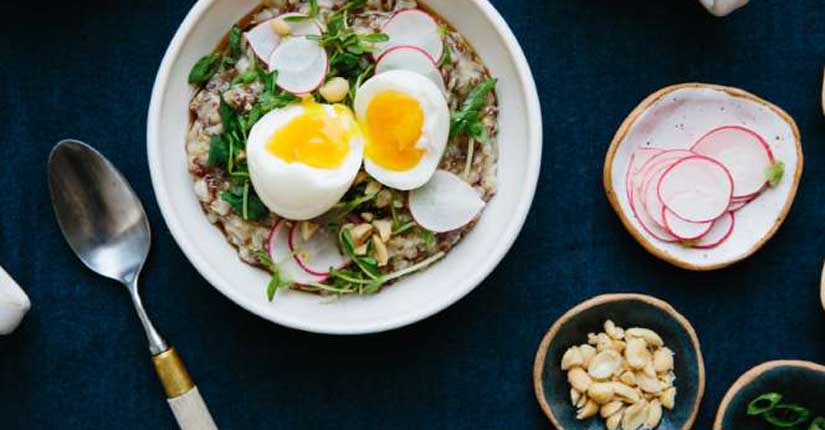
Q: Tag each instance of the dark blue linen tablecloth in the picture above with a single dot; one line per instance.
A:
(85, 68)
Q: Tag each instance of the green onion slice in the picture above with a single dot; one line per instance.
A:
(763, 403)
(817, 424)
(786, 416)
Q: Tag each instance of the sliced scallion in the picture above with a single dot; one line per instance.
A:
(764, 403)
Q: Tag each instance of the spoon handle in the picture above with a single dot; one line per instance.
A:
(183, 396)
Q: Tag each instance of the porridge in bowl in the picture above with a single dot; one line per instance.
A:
(342, 145)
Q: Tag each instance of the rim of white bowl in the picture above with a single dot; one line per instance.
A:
(412, 316)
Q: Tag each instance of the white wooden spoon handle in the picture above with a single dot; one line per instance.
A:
(183, 396)
(191, 412)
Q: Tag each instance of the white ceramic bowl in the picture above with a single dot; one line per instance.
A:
(413, 298)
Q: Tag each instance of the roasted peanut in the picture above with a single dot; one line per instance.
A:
(590, 409)
(579, 379)
(663, 360)
(571, 358)
(647, 334)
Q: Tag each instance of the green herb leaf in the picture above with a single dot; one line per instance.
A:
(296, 18)
(204, 69)
(218, 152)
(446, 57)
(427, 236)
(817, 424)
(245, 202)
(313, 8)
(246, 77)
(775, 173)
(229, 118)
(763, 403)
(277, 281)
(375, 38)
(467, 120)
(235, 36)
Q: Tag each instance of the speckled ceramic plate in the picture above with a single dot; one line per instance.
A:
(675, 118)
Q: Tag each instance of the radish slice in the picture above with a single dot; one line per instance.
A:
(735, 206)
(281, 255)
(646, 221)
(413, 59)
(696, 189)
(682, 229)
(318, 255)
(412, 27)
(739, 202)
(744, 153)
(301, 64)
(721, 230)
(637, 199)
(650, 194)
(637, 161)
(653, 172)
(263, 39)
(445, 203)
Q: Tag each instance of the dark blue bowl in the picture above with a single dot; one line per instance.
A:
(626, 310)
(799, 382)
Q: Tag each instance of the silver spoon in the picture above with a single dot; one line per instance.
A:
(105, 224)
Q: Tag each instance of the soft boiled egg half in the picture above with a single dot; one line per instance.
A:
(405, 121)
(303, 158)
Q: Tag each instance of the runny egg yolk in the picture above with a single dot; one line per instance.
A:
(315, 137)
(393, 127)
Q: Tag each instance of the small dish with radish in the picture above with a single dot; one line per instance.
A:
(703, 175)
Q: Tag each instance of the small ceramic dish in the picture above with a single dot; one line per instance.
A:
(822, 287)
(626, 310)
(677, 118)
(799, 382)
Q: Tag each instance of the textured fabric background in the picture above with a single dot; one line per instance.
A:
(84, 69)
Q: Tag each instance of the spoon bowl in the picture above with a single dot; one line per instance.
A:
(98, 212)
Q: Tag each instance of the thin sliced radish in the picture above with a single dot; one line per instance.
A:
(413, 59)
(281, 255)
(317, 255)
(650, 195)
(720, 232)
(412, 27)
(652, 173)
(743, 152)
(445, 203)
(301, 64)
(682, 229)
(637, 198)
(647, 223)
(263, 39)
(637, 161)
(735, 206)
(739, 202)
(696, 189)
(664, 157)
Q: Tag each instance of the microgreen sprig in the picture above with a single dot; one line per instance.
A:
(468, 119)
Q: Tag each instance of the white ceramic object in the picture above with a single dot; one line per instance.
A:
(675, 118)
(413, 298)
(14, 303)
(723, 7)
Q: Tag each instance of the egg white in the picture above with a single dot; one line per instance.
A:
(295, 190)
(435, 130)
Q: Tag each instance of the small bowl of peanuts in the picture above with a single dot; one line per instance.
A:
(620, 362)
